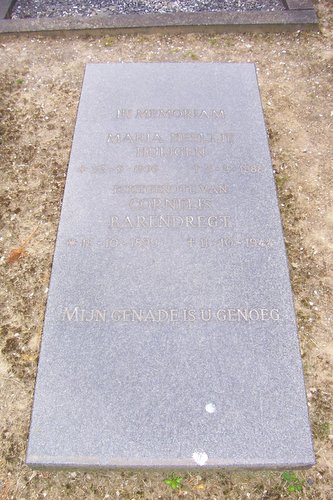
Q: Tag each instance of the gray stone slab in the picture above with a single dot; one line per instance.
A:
(207, 22)
(170, 336)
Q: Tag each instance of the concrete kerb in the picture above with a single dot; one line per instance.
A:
(6, 8)
(215, 22)
(298, 4)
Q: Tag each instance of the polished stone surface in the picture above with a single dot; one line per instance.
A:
(170, 335)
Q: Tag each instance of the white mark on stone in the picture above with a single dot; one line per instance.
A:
(210, 408)
(200, 457)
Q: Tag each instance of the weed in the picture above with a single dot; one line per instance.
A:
(321, 430)
(20, 251)
(281, 180)
(174, 482)
(213, 40)
(191, 55)
(4, 489)
(321, 402)
(293, 482)
(174, 50)
(19, 81)
(141, 38)
(325, 429)
(108, 41)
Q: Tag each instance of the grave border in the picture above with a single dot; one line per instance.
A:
(299, 15)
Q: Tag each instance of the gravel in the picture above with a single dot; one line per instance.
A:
(88, 8)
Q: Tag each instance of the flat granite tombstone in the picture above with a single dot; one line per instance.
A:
(170, 336)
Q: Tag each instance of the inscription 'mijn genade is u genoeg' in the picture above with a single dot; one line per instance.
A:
(170, 317)
(79, 314)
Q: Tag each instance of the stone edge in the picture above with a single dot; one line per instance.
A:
(298, 4)
(213, 22)
(6, 8)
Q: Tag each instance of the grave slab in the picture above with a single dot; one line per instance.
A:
(170, 337)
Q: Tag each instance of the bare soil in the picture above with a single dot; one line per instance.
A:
(40, 81)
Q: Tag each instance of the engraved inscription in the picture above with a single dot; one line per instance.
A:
(167, 203)
(202, 137)
(251, 169)
(156, 149)
(170, 152)
(144, 137)
(243, 169)
(79, 314)
(169, 221)
(213, 189)
(156, 137)
(143, 242)
(170, 113)
(118, 169)
(230, 242)
(170, 189)
(146, 168)
(111, 243)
